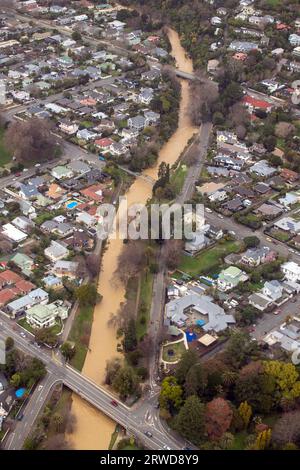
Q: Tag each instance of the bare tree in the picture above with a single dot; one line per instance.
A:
(287, 428)
(31, 140)
(204, 93)
(57, 442)
(130, 261)
(172, 253)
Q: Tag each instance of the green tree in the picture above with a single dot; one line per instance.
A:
(9, 343)
(195, 381)
(190, 420)
(188, 359)
(16, 380)
(251, 241)
(170, 394)
(125, 381)
(239, 349)
(87, 294)
(130, 339)
(245, 412)
(68, 350)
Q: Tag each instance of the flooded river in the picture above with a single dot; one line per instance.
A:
(93, 429)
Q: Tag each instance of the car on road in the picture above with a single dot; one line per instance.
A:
(20, 417)
(114, 403)
(268, 239)
(220, 216)
(18, 173)
(277, 311)
(207, 209)
(40, 387)
(24, 170)
(148, 434)
(167, 448)
(23, 334)
(37, 165)
(291, 250)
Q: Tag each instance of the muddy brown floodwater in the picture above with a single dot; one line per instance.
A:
(94, 429)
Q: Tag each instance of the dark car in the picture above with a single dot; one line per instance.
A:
(114, 403)
(20, 417)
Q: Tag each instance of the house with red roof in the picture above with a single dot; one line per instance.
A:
(253, 104)
(104, 144)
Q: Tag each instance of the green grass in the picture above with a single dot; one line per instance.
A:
(113, 438)
(145, 305)
(5, 155)
(177, 348)
(80, 333)
(178, 177)
(280, 235)
(208, 260)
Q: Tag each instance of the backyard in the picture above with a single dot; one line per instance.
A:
(209, 260)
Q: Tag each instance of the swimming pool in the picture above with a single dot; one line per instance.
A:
(72, 204)
(20, 392)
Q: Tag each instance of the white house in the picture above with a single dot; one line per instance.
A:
(291, 271)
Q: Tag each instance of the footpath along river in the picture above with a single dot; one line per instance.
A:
(93, 429)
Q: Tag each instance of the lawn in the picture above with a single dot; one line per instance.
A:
(177, 348)
(178, 177)
(80, 334)
(280, 235)
(209, 260)
(145, 305)
(5, 155)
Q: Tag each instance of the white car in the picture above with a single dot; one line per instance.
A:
(37, 165)
(207, 209)
(24, 170)
(220, 216)
(40, 387)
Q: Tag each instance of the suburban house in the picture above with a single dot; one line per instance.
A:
(257, 256)
(288, 224)
(65, 268)
(230, 278)
(45, 316)
(61, 172)
(56, 251)
(291, 271)
(52, 282)
(24, 262)
(37, 296)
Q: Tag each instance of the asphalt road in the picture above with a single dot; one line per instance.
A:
(137, 420)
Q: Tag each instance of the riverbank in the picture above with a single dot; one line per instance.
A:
(94, 430)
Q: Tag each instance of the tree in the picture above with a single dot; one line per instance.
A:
(93, 265)
(190, 420)
(285, 376)
(130, 339)
(170, 394)
(218, 417)
(31, 140)
(195, 381)
(76, 36)
(112, 367)
(188, 359)
(130, 261)
(251, 241)
(287, 429)
(87, 294)
(239, 348)
(68, 350)
(125, 382)
(263, 440)
(9, 343)
(16, 380)
(172, 253)
(256, 387)
(245, 412)
(284, 129)
(46, 336)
